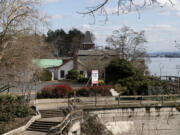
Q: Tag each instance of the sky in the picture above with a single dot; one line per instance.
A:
(161, 24)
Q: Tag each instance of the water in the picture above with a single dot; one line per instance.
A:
(164, 66)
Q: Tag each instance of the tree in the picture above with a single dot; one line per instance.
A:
(133, 82)
(129, 45)
(123, 6)
(17, 17)
(119, 69)
(66, 44)
(18, 55)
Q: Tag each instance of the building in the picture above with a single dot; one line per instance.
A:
(88, 42)
(47, 64)
(61, 71)
(95, 59)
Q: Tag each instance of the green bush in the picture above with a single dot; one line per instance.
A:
(103, 90)
(82, 79)
(12, 106)
(72, 75)
(5, 117)
(131, 81)
(119, 69)
(46, 76)
(101, 82)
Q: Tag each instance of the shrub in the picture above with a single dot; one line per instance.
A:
(6, 117)
(62, 91)
(22, 111)
(82, 79)
(122, 72)
(73, 75)
(101, 82)
(46, 92)
(58, 91)
(92, 90)
(12, 106)
(84, 91)
(46, 76)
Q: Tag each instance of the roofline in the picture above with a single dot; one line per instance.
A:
(67, 62)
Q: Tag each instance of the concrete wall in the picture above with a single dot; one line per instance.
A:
(48, 104)
(141, 121)
(75, 129)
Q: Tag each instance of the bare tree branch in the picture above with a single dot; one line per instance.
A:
(17, 17)
(123, 6)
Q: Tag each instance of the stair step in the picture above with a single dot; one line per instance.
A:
(40, 130)
(52, 113)
(42, 126)
(38, 125)
(50, 123)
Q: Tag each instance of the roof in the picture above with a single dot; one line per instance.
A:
(79, 62)
(96, 52)
(47, 63)
(87, 38)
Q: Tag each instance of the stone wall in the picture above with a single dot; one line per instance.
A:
(141, 121)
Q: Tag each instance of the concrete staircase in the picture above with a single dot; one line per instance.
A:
(52, 113)
(42, 126)
(49, 118)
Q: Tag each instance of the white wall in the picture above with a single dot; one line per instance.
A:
(69, 66)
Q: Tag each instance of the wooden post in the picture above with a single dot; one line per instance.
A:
(141, 100)
(68, 101)
(119, 100)
(95, 99)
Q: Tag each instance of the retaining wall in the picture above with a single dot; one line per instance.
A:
(141, 121)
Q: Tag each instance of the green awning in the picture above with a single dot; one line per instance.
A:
(47, 63)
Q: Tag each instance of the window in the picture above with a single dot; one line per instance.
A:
(81, 72)
(62, 73)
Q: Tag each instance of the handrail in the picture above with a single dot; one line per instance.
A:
(151, 96)
(5, 87)
(58, 129)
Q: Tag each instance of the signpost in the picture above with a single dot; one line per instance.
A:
(94, 77)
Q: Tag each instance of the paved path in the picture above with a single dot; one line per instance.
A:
(33, 133)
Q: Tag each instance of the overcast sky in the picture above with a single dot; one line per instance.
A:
(161, 25)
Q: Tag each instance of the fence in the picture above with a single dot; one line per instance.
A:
(127, 100)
